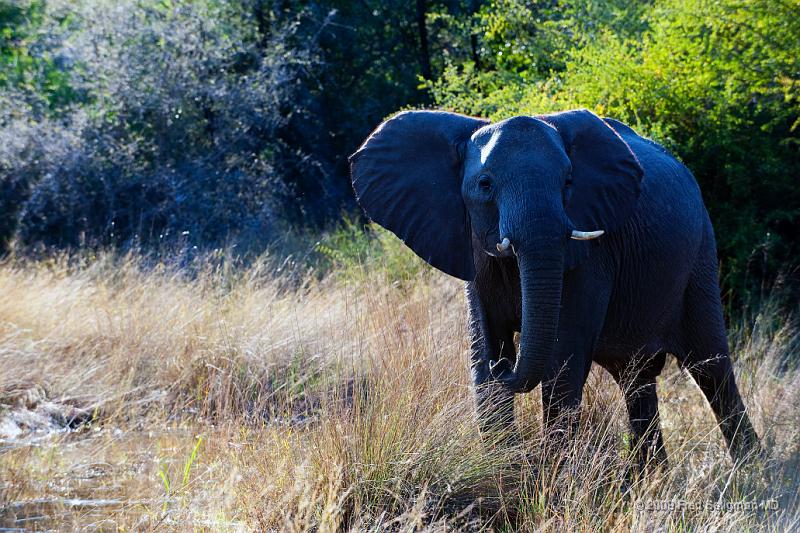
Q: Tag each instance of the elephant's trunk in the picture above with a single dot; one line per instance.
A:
(541, 277)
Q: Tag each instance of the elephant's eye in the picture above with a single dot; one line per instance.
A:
(484, 183)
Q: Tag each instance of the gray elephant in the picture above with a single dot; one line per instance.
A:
(588, 239)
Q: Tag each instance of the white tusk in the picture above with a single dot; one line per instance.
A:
(583, 235)
(503, 246)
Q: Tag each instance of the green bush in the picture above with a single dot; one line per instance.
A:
(130, 123)
(352, 249)
(177, 138)
(715, 82)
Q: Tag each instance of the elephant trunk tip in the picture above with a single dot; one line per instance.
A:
(503, 371)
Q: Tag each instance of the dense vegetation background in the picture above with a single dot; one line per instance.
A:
(207, 123)
(160, 371)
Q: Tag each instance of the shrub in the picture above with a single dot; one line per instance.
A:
(716, 82)
(351, 249)
(178, 134)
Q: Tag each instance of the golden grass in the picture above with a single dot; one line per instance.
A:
(243, 400)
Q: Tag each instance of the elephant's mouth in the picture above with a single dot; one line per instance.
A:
(501, 254)
(489, 240)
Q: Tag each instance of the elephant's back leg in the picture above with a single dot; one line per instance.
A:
(703, 351)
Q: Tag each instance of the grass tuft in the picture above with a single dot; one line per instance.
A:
(135, 396)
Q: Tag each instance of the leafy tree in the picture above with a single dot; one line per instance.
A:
(137, 121)
(178, 135)
(717, 82)
(28, 59)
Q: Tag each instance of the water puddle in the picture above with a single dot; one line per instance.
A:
(38, 514)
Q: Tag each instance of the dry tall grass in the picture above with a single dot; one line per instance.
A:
(135, 398)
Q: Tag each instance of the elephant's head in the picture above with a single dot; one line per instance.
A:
(450, 185)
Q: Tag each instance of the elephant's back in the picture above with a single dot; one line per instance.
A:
(670, 200)
(657, 248)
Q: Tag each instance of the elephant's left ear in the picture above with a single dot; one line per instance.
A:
(606, 176)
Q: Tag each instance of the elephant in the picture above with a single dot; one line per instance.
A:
(589, 240)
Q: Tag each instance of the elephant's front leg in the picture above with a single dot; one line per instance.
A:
(495, 404)
(561, 399)
(562, 391)
(584, 303)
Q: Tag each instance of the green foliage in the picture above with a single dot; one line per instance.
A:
(164, 475)
(347, 248)
(352, 249)
(399, 261)
(716, 82)
(131, 123)
(179, 138)
(28, 60)
(530, 38)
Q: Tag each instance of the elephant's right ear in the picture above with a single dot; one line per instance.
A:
(407, 177)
